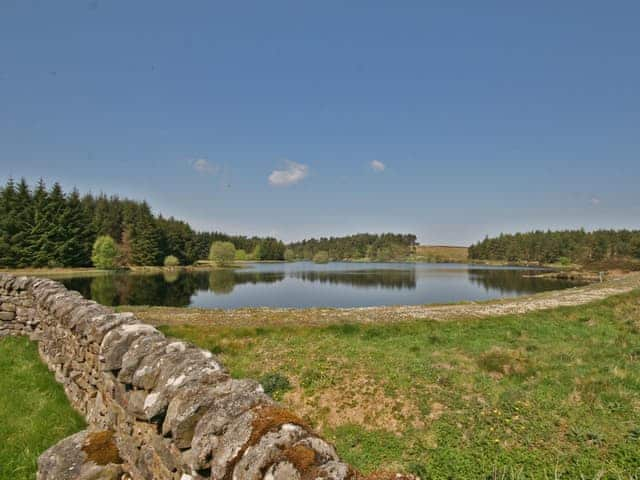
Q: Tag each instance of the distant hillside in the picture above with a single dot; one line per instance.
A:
(382, 247)
(441, 253)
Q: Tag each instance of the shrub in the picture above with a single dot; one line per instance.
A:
(241, 254)
(275, 384)
(171, 261)
(564, 261)
(222, 253)
(321, 257)
(289, 255)
(104, 253)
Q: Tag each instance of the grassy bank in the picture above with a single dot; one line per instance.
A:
(58, 273)
(548, 394)
(441, 254)
(34, 411)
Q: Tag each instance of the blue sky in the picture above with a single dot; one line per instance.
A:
(450, 120)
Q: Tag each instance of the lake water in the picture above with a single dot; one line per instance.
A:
(305, 284)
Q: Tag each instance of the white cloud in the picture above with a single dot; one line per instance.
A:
(377, 166)
(203, 165)
(292, 173)
(594, 201)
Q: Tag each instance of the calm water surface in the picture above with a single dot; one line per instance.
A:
(305, 284)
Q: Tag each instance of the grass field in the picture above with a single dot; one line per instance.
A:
(34, 411)
(441, 254)
(549, 394)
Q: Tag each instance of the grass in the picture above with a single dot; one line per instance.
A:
(58, 273)
(441, 254)
(34, 411)
(549, 394)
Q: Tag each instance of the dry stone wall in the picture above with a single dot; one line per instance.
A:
(157, 408)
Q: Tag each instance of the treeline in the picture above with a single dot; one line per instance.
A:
(41, 227)
(566, 246)
(369, 246)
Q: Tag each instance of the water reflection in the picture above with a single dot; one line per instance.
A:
(507, 282)
(304, 285)
(393, 279)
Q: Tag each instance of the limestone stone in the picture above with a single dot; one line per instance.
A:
(116, 343)
(282, 471)
(192, 403)
(257, 458)
(72, 459)
(8, 307)
(138, 350)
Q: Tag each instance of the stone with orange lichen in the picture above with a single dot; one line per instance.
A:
(83, 456)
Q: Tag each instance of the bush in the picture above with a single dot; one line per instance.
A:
(275, 384)
(104, 253)
(564, 261)
(289, 255)
(171, 261)
(321, 257)
(222, 253)
(241, 254)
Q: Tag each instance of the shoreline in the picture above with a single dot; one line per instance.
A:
(320, 316)
(54, 273)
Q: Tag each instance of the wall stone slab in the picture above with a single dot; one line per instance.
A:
(169, 409)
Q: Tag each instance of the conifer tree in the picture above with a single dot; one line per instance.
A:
(145, 236)
(7, 224)
(56, 236)
(76, 241)
(23, 217)
(40, 245)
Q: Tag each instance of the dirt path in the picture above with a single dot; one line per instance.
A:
(252, 317)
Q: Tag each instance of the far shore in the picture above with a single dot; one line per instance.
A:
(560, 271)
(58, 272)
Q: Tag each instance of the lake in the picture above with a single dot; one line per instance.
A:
(305, 284)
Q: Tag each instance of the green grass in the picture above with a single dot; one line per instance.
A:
(441, 253)
(34, 411)
(550, 394)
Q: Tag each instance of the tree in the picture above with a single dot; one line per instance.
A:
(40, 246)
(7, 224)
(386, 246)
(24, 216)
(171, 261)
(77, 233)
(289, 255)
(321, 257)
(105, 253)
(55, 235)
(222, 253)
(270, 249)
(146, 241)
(177, 239)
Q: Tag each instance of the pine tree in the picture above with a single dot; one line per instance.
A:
(56, 210)
(23, 213)
(7, 224)
(145, 237)
(77, 233)
(40, 246)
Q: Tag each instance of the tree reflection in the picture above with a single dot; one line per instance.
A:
(515, 281)
(221, 282)
(383, 278)
(176, 288)
(104, 290)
